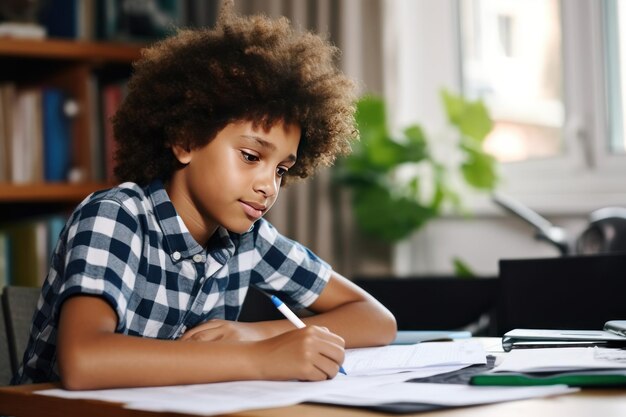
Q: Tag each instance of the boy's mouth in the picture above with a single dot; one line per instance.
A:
(252, 209)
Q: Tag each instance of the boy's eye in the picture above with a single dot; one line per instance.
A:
(249, 157)
(280, 171)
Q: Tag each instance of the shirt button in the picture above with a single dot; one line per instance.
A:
(176, 255)
(197, 258)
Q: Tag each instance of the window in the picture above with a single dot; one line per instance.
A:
(512, 59)
(553, 74)
(615, 17)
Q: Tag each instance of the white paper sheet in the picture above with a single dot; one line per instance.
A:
(387, 359)
(355, 390)
(229, 397)
(366, 368)
(561, 359)
(440, 394)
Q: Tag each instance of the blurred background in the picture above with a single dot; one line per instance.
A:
(545, 74)
(550, 74)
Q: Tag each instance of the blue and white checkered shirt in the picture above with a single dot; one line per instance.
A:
(129, 246)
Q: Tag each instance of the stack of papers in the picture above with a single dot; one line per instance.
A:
(375, 378)
(442, 395)
(543, 338)
(592, 366)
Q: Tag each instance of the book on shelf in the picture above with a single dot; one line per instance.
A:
(118, 20)
(35, 134)
(110, 20)
(26, 248)
(60, 18)
(72, 19)
(131, 20)
(55, 227)
(27, 137)
(112, 96)
(4, 259)
(6, 127)
(22, 30)
(57, 135)
(26, 253)
(96, 128)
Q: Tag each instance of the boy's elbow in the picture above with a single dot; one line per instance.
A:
(390, 328)
(75, 371)
(72, 384)
(383, 321)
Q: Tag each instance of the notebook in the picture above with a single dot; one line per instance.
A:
(543, 338)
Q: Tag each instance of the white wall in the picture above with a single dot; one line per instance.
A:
(480, 242)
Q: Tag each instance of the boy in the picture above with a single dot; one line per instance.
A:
(148, 278)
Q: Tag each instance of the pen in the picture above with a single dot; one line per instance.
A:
(295, 320)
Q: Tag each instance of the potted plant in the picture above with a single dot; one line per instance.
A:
(399, 182)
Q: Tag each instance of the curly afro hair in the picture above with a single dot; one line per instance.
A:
(188, 87)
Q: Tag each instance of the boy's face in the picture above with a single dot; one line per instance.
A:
(235, 179)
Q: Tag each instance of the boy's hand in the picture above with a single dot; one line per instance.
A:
(232, 331)
(309, 354)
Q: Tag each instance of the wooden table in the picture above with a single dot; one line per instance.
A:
(21, 401)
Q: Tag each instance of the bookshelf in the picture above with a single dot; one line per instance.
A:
(52, 192)
(33, 210)
(95, 53)
(70, 66)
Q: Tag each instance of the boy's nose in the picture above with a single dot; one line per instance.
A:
(267, 185)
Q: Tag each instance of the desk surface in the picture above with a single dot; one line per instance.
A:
(22, 402)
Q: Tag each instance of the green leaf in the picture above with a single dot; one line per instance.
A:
(470, 117)
(453, 105)
(383, 152)
(371, 118)
(479, 170)
(376, 148)
(371, 109)
(462, 269)
(416, 144)
(391, 218)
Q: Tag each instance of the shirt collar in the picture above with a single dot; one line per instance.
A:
(178, 241)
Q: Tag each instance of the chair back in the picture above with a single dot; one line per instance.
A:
(5, 357)
(19, 304)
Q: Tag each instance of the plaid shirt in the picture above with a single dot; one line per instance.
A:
(130, 247)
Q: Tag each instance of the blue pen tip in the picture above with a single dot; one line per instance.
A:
(276, 301)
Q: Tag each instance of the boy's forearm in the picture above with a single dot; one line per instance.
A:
(360, 323)
(353, 314)
(90, 355)
(114, 360)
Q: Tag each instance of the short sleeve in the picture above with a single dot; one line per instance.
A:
(103, 247)
(287, 268)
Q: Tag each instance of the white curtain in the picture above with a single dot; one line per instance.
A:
(315, 212)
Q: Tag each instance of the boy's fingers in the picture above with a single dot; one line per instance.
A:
(328, 367)
(332, 352)
(333, 337)
(211, 324)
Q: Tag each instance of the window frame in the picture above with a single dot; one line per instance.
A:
(586, 176)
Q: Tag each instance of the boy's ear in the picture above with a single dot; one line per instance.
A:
(181, 153)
